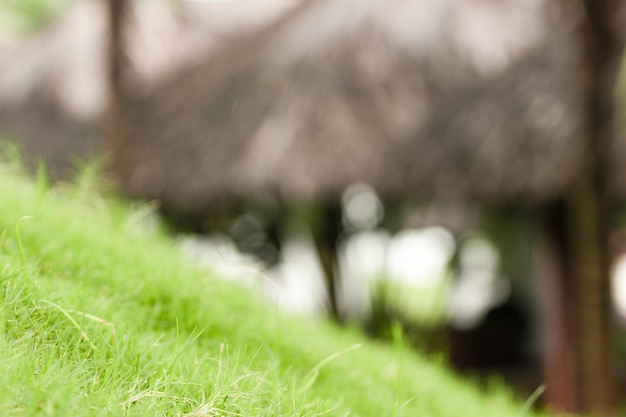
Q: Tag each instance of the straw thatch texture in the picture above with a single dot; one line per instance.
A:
(479, 99)
(468, 98)
(53, 92)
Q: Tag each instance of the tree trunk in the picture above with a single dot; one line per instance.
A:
(589, 208)
(576, 291)
(591, 301)
(117, 126)
(558, 352)
(326, 238)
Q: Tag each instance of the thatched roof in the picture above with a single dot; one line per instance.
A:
(53, 83)
(473, 98)
(469, 98)
(52, 89)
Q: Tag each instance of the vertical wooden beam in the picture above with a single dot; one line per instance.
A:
(117, 126)
(589, 207)
(326, 240)
(558, 350)
(591, 301)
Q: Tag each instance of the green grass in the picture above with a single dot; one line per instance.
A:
(99, 315)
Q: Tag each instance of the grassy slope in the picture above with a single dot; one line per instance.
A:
(99, 316)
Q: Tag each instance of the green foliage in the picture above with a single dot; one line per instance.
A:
(401, 299)
(25, 16)
(99, 315)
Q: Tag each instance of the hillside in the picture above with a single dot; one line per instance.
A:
(100, 315)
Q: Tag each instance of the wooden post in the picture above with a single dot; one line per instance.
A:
(558, 350)
(575, 291)
(589, 208)
(326, 239)
(117, 127)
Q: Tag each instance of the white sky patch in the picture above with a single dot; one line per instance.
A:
(619, 286)
(300, 284)
(220, 254)
(362, 261)
(420, 257)
(362, 207)
(478, 286)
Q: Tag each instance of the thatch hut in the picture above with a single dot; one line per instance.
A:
(53, 83)
(465, 102)
(361, 91)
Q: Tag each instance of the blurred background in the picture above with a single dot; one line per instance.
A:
(452, 167)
